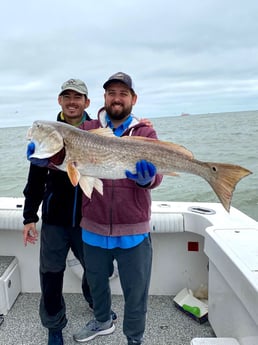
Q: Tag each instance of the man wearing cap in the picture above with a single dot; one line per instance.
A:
(61, 215)
(116, 225)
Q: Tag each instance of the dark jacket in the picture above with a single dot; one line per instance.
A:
(61, 201)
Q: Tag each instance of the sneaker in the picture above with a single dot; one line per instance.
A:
(55, 338)
(113, 314)
(94, 328)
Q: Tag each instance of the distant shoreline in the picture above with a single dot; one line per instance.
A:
(150, 117)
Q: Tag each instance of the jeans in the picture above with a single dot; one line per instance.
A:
(134, 267)
(55, 242)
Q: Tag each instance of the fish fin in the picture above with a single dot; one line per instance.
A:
(105, 132)
(87, 183)
(98, 185)
(73, 173)
(223, 180)
(179, 148)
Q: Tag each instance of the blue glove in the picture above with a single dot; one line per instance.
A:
(145, 171)
(30, 149)
(36, 161)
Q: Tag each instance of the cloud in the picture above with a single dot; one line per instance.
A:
(190, 56)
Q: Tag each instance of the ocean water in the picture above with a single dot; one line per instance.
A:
(224, 137)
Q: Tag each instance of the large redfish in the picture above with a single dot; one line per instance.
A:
(98, 154)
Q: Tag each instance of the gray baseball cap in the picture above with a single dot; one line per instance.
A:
(75, 85)
(122, 77)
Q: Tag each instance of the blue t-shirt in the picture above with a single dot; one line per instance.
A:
(109, 242)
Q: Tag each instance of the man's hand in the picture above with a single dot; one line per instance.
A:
(30, 149)
(147, 122)
(36, 161)
(145, 171)
(30, 233)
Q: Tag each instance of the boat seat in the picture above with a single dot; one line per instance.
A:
(214, 341)
(167, 222)
(162, 221)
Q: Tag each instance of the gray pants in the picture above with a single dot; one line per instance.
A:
(55, 242)
(134, 266)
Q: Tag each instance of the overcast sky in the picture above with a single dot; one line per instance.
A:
(194, 56)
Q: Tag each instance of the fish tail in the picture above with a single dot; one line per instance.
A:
(223, 179)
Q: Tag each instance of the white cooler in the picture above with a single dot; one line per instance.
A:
(10, 282)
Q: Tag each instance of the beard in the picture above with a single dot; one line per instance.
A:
(118, 114)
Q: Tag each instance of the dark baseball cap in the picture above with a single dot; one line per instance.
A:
(122, 77)
(75, 85)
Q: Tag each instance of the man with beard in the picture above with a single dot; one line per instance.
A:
(116, 224)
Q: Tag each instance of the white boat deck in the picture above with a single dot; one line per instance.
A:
(166, 325)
